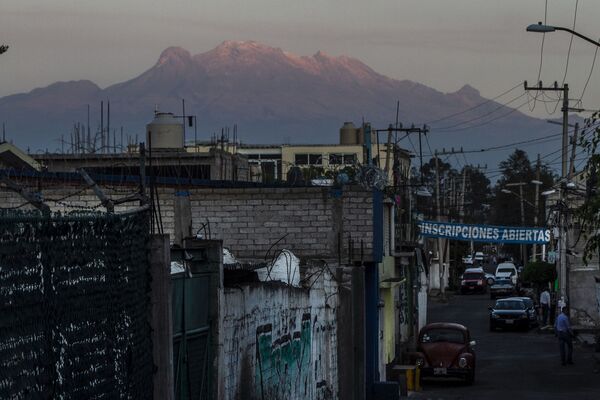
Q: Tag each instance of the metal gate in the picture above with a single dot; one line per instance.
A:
(194, 308)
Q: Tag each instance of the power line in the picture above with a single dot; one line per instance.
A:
(541, 53)
(488, 121)
(500, 172)
(508, 146)
(481, 116)
(570, 42)
(474, 107)
(590, 75)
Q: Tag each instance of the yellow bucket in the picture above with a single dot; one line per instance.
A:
(413, 379)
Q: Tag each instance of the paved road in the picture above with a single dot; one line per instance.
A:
(511, 365)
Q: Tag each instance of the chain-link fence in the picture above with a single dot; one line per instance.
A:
(74, 298)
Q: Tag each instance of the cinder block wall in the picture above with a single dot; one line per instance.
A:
(309, 221)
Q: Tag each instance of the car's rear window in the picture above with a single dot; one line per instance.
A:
(473, 275)
(443, 335)
(509, 305)
(504, 270)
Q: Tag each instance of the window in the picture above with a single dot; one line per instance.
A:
(308, 159)
(443, 335)
(335, 159)
(301, 159)
(338, 159)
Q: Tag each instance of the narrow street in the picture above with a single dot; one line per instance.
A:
(517, 365)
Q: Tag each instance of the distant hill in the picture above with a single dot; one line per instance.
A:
(272, 95)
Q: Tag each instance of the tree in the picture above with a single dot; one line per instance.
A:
(539, 273)
(3, 48)
(427, 177)
(477, 196)
(506, 206)
(589, 212)
(518, 169)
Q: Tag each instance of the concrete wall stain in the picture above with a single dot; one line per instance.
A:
(283, 363)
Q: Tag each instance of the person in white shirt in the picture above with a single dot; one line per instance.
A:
(545, 303)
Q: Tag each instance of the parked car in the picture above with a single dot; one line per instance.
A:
(473, 280)
(479, 257)
(502, 287)
(490, 278)
(445, 350)
(468, 260)
(532, 308)
(507, 270)
(512, 312)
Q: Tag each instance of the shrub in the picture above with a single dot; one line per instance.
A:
(539, 272)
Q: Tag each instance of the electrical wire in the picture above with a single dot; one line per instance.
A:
(500, 172)
(541, 53)
(488, 121)
(443, 128)
(570, 42)
(474, 107)
(590, 74)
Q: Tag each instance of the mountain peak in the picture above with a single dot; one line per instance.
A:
(234, 47)
(468, 91)
(174, 55)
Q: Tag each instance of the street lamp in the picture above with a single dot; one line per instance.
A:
(542, 28)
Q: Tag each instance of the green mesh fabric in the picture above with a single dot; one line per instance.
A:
(74, 306)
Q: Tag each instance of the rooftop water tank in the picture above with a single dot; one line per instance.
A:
(348, 133)
(165, 132)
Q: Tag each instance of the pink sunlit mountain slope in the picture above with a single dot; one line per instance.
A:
(272, 96)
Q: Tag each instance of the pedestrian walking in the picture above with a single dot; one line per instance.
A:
(545, 304)
(562, 328)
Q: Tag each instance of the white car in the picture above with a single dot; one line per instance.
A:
(468, 260)
(507, 270)
(479, 256)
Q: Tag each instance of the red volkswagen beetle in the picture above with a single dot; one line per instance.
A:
(445, 350)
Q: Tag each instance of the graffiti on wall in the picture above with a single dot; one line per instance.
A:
(283, 363)
(322, 339)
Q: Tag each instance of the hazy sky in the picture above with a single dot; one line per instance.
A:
(441, 43)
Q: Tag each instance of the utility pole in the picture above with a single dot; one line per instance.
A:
(563, 238)
(439, 219)
(412, 129)
(565, 111)
(573, 148)
(462, 194)
(537, 202)
(521, 199)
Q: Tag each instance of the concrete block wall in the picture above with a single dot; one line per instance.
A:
(279, 342)
(310, 220)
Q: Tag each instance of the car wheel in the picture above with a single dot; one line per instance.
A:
(470, 377)
(490, 281)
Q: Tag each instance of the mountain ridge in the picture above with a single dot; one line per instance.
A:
(271, 94)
